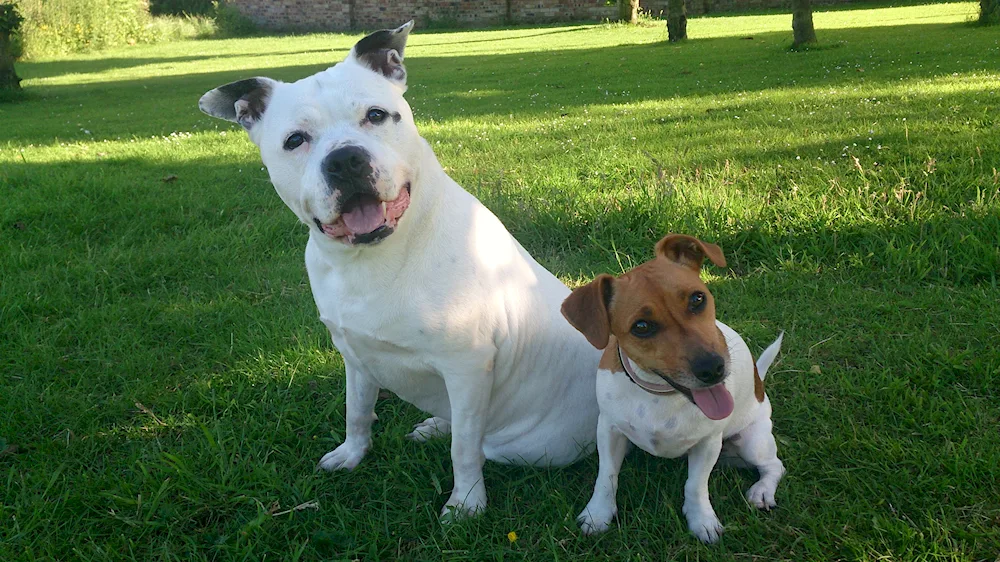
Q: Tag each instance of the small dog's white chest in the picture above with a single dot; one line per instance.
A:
(662, 425)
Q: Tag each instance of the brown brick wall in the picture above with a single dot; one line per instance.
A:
(339, 15)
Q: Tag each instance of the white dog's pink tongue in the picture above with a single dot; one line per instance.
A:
(714, 401)
(365, 216)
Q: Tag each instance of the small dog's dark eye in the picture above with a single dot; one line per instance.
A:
(696, 302)
(643, 329)
(295, 140)
(376, 115)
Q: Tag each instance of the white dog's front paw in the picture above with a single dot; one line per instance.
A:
(345, 457)
(466, 504)
(761, 495)
(429, 429)
(596, 518)
(705, 525)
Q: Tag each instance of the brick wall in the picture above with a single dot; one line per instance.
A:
(339, 15)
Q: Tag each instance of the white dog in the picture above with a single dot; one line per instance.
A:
(674, 381)
(422, 288)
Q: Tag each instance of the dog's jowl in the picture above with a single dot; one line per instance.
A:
(674, 381)
(424, 291)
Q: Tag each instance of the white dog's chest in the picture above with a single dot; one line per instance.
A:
(397, 368)
(666, 426)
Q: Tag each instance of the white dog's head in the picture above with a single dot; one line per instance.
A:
(339, 145)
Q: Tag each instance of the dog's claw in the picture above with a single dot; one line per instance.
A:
(464, 505)
(595, 520)
(429, 429)
(344, 457)
(705, 525)
(761, 495)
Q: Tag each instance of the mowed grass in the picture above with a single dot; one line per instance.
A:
(166, 388)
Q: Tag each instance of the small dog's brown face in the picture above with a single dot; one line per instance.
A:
(661, 313)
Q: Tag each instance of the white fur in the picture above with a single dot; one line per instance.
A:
(448, 312)
(671, 426)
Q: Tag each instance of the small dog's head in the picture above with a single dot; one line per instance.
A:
(663, 317)
(340, 146)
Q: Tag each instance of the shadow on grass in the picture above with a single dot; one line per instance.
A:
(538, 84)
(53, 68)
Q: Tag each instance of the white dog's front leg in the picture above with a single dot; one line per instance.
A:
(603, 506)
(362, 392)
(469, 394)
(697, 506)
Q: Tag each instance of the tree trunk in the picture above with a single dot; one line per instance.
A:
(677, 20)
(8, 78)
(989, 12)
(628, 10)
(802, 23)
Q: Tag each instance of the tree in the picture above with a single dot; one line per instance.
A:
(628, 10)
(989, 12)
(677, 21)
(10, 22)
(802, 23)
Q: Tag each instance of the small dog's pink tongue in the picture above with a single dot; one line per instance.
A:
(365, 216)
(714, 401)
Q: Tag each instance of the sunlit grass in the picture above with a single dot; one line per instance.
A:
(166, 388)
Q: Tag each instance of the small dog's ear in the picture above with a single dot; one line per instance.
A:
(242, 102)
(382, 52)
(689, 251)
(586, 308)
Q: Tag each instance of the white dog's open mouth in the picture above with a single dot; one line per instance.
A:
(365, 218)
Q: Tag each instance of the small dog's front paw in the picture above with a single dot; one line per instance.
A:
(345, 457)
(705, 525)
(429, 429)
(761, 495)
(461, 505)
(596, 518)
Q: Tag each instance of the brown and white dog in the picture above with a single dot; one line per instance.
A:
(674, 381)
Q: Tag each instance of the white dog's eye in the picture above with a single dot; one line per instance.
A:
(376, 115)
(295, 140)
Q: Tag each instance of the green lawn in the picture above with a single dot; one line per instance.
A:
(166, 388)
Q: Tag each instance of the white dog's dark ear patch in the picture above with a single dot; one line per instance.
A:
(242, 102)
(382, 52)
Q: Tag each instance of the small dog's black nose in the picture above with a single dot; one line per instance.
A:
(709, 368)
(347, 163)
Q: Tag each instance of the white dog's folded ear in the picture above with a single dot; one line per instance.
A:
(382, 52)
(586, 309)
(242, 102)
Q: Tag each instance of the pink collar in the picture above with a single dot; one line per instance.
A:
(649, 387)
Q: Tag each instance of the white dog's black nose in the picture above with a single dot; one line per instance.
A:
(347, 164)
(709, 368)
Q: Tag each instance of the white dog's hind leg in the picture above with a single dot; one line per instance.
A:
(756, 445)
(469, 394)
(603, 505)
(697, 506)
(362, 392)
(429, 429)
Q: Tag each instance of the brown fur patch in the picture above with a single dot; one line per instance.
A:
(609, 360)
(758, 385)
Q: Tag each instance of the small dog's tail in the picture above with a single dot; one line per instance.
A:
(767, 357)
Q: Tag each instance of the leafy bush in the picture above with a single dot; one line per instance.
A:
(989, 12)
(10, 19)
(178, 28)
(180, 7)
(55, 27)
(230, 22)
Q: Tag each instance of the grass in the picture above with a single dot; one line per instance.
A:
(166, 388)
